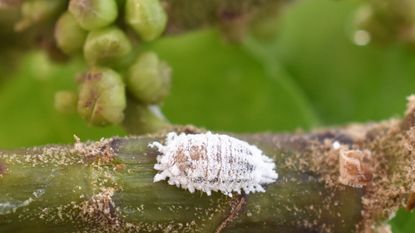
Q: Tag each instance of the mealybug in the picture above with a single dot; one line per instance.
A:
(213, 162)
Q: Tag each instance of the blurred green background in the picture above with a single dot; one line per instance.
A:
(310, 75)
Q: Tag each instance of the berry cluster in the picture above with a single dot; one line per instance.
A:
(105, 33)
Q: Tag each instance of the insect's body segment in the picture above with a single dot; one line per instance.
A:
(213, 162)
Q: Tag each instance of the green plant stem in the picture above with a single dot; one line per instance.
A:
(62, 188)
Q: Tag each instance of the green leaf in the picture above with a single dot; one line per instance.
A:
(403, 222)
(221, 86)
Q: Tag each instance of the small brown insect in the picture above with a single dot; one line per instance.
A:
(354, 170)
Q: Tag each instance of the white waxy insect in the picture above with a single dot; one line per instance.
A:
(213, 162)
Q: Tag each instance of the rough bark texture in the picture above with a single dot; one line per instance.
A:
(331, 180)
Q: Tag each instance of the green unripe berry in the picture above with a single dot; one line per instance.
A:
(146, 17)
(107, 46)
(148, 79)
(93, 14)
(102, 98)
(65, 101)
(69, 36)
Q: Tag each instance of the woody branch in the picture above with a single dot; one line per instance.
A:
(330, 180)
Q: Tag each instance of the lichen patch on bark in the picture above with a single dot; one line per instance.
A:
(101, 151)
(100, 210)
